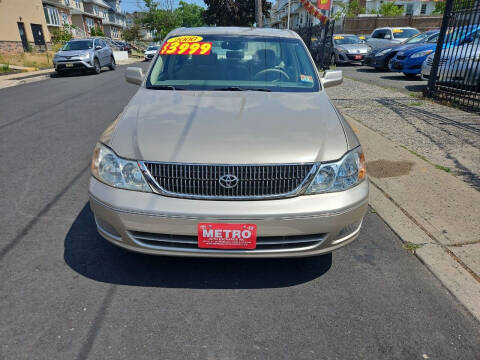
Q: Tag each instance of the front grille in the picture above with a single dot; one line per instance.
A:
(401, 57)
(203, 180)
(190, 243)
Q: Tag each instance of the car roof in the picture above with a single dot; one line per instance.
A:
(345, 35)
(395, 27)
(244, 31)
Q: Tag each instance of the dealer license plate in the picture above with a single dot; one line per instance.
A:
(68, 65)
(227, 236)
(358, 57)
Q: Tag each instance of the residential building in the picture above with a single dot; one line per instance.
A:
(299, 17)
(23, 26)
(116, 21)
(95, 12)
(57, 13)
(410, 7)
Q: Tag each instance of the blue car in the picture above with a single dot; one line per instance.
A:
(409, 60)
(380, 57)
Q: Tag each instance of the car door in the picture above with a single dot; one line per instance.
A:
(105, 52)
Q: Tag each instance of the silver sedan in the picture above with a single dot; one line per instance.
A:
(348, 48)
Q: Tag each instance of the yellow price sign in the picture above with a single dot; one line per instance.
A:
(397, 30)
(186, 39)
(338, 37)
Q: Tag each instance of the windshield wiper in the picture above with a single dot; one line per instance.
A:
(238, 88)
(165, 87)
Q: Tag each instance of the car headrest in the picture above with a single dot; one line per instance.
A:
(266, 56)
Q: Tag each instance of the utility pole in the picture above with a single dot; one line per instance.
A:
(288, 16)
(258, 13)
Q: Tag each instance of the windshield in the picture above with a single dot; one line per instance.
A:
(346, 39)
(417, 38)
(151, 48)
(219, 62)
(400, 33)
(78, 45)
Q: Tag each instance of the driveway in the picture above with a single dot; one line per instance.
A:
(67, 293)
(385, 79)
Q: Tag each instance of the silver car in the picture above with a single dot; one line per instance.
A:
(348, 48)
(230, 148)
(457, 66)
(388, 36)
(84, 55)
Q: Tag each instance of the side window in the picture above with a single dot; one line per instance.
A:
(388, 34)
(102, 43)
(377, 34)
(433, 39)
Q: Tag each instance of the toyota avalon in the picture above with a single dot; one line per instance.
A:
(230, 148)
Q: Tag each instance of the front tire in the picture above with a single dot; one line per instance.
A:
(96, 67)
(112, 65)
(387, 63)
(410, 76)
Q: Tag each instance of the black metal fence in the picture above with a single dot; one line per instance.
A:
(455, 68)
(319, 40)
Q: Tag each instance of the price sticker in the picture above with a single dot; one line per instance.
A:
(186, 48)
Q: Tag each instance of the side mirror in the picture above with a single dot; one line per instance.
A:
(134, 75)
(98, 47)
(332, 78)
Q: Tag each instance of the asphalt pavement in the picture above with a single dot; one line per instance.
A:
(67, 293)
(386, 79)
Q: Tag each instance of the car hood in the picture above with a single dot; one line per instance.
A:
(418, 47)
(73, 53)
(148, 52)
(354, 48)
(229, 127)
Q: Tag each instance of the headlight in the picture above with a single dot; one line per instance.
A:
(468, 59)
(117, 172)
(341, 175)
(383, 52)
(421, 54)
(341, 49)
(85, 56)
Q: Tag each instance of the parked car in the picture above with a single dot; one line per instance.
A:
(458, 67)
(85, 55)
(150, 53)
(348, 48)
(379, 58)
(124, 46)
(239, 156)
(387, 36)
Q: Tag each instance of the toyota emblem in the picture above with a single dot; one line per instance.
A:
(228, 181)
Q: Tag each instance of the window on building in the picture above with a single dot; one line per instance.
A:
(77, 4)
(67, 2)
(65, 19)
(423, 9)
(90, 23)
(409, 9)
(51, 15)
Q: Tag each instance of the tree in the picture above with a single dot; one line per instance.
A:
(353, 8)
(233, 12)
(389, 8)
(160, 19)
(190, 14)
(132, 33)
(97, 31)
(439, 8)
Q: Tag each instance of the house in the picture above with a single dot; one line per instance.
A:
(116, 22)
(146, 35)
(299, 17)
(95, 12)
(22, 26)
(410, 7)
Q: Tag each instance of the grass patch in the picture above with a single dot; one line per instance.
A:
(444, 168)
(41, 60)
(416, 103)
(411, 246)
(5, 68)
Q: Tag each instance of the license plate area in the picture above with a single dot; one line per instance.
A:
(358, 57)
(227, 236)
(69, 65)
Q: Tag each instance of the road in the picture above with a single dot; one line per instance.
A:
(67, 293)
(386, 79)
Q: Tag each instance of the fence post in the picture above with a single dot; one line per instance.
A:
(432, 80)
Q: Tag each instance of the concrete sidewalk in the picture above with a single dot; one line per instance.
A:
(435, 213)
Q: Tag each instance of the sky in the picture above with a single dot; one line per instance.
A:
(135, 5)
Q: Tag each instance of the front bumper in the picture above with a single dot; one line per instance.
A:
(349, 58)
(374, 61)
(71, 65)
(155, 224)
(407, 65)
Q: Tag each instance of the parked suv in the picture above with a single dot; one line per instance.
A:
(230, 148)
(85, 55)
(388, 36)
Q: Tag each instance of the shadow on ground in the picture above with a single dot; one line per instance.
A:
(90, 255)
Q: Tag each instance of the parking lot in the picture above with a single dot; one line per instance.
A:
(65, 290)
(386, 79)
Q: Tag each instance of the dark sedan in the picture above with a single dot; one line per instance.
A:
(380, 57)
